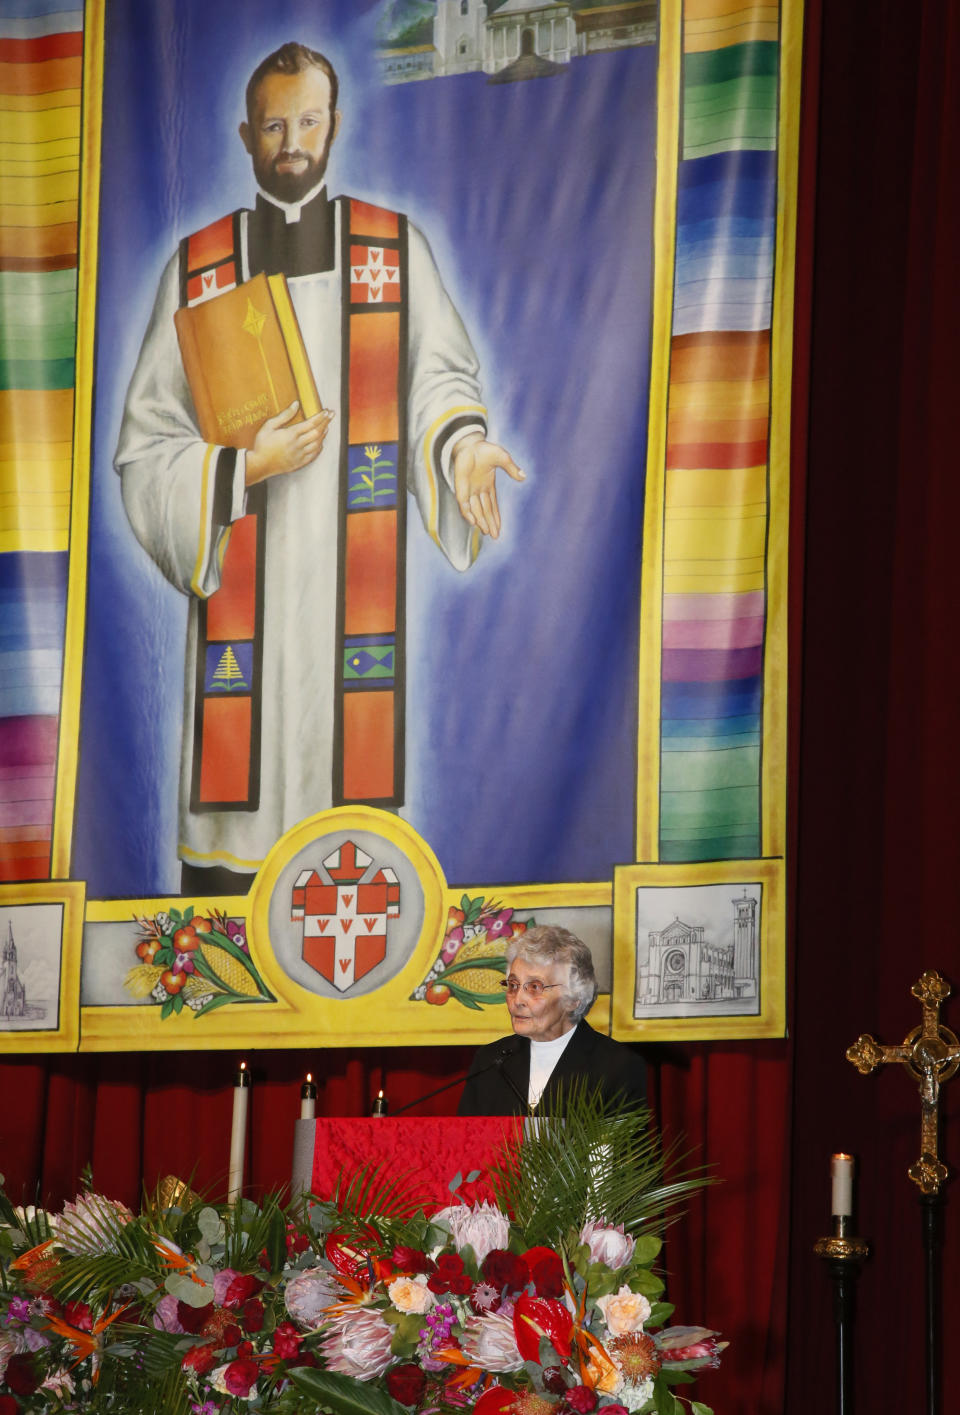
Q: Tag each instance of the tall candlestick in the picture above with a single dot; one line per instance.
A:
(380, 1106)
(308, 1099)
(238, 1132)
(841, 1176)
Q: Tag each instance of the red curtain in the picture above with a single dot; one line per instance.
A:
(876, 762)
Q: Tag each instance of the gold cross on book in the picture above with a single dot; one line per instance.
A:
(931, 1053)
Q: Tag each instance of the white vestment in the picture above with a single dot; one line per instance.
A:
(167, 477)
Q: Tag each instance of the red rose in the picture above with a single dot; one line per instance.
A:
(193, 1318)
(245, 1348)
(461, 1285)
(200, 1359)
(547, 1274)
(450, 1263)
(406, 1383)
(79, 1315)
(411, 1260)
(615, 1410)
(251, 1315)
(505, 1270)
(240, 1377)
(581, 1400)
(231, 1335)
(554, 1380)
(437, 1283)
(286, 1342)
(244, 1285)
(8, 1406)
(21, 1374)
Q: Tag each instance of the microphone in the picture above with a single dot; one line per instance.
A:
(509, 1047)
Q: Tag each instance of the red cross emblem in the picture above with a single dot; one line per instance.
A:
(374, 275)
(345, 915)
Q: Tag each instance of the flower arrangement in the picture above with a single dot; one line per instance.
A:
(365, 1304)
(472, 959)
(199, 961)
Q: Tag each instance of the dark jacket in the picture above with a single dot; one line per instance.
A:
(500, 1075)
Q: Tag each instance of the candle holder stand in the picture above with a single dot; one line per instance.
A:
(843, 1254)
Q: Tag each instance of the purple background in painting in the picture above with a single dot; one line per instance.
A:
(537, 200)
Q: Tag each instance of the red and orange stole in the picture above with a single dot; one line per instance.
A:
(368, 668)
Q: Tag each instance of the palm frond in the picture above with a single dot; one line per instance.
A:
(589, 1163)
(375, 1198)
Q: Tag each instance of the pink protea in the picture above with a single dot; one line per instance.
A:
(358, 1344)
(309, 1294)
(491, 1343)
(482, 1226)
(91, 1223)
(608, 1244)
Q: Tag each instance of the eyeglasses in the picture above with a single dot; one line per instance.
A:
(534, 988)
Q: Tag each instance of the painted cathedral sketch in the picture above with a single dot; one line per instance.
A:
(705, 960)
(21, 1007)
(505, 39)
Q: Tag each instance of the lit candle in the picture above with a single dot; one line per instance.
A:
(841, 1177)
(308, 1099)
(238, 1132)
(380, 1106)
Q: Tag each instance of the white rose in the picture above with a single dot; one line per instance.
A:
(624, 1311)
(410, 1294)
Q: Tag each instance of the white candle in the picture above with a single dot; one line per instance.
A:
(308, 1099)
(238, 1132)
(841, 1177)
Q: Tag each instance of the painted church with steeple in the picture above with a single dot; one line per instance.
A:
(13, 994)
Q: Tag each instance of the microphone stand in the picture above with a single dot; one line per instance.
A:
(506, 1052)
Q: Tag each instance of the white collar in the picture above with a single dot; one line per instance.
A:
(292, 209)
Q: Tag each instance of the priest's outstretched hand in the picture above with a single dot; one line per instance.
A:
(475, 464)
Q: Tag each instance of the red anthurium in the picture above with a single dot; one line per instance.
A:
(345, 1258)
(536, 1317)
(495, 1401)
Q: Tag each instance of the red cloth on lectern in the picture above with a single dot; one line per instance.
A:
(431, 1150)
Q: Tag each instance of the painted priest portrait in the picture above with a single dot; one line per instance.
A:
(302, 371)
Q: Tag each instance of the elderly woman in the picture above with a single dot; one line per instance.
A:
(550, 987)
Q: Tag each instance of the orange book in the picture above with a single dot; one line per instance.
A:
(245, 360)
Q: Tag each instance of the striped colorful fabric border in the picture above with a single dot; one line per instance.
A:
(41, 57)
(716, 498)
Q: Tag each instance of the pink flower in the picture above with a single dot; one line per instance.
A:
(91, 1223)
(688, 1344)
(608, 1244)
(358, 1344)
(309, 1294)
(165, 1315)
(490, 1342)
(221, 1284)
(482, 1226)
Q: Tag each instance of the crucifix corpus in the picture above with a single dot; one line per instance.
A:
(931, 1053)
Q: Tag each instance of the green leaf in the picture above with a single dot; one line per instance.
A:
(697, 1407)
(647, 1249)
(666, 1403)
(194, 1294)
(342, 1394)
(473, 1176)
(677, 1378)
(211, 1226)
(456, 1181)
(166, 1009)
(465, 999)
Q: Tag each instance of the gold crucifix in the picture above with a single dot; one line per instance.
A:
(931, 1053)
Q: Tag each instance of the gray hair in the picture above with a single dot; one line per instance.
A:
(546, 944)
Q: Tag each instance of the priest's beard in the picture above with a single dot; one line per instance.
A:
(291, 186)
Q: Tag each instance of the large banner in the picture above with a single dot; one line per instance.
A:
(395, 420)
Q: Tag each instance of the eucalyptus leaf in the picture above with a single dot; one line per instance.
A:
(195, 1294)
(211, 1225)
